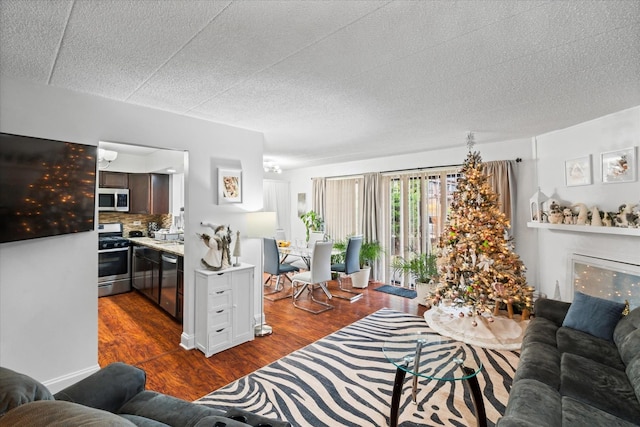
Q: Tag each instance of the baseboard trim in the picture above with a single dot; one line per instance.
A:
(56, 384)
(187, 341)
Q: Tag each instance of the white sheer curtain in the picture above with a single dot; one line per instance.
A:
(277, 198)
(342, 206)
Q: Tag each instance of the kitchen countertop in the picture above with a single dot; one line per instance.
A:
(169, 246)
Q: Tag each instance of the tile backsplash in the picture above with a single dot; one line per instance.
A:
(128, 220)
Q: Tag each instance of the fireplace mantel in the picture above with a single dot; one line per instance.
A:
(585, 229)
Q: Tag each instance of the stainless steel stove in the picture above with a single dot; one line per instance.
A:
(113, 260)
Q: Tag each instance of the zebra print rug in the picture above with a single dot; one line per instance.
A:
(345, 380)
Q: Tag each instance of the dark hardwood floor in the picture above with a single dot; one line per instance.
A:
(133, 330)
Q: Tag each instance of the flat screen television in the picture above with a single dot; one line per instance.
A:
(47, 187)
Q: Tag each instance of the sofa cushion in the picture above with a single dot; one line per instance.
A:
(58, 413)
(142, 421)
(595, 316)
(17, 389)
(532, 403)
(586, 345)
(627, 336)
(598, 385)
(540, 330)
(578, 414)
(167, 409)
(541, 362)
(107, 389)
(633, 373)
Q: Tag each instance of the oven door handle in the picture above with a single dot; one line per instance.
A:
(104, 251)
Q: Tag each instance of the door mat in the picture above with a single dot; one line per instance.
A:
(395, 290)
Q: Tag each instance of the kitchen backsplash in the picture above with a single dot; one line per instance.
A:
(128, 220)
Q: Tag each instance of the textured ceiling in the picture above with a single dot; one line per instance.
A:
(331, 81)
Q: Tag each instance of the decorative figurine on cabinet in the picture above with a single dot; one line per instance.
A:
(218, 256)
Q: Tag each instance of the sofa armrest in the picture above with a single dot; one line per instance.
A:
(551, 309)
(108, 389)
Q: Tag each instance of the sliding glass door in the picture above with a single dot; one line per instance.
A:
(418, 209)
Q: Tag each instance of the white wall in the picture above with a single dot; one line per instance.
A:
(300, 180)
(48, 287)
(616, 131)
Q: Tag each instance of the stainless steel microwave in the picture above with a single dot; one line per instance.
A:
(113, 199)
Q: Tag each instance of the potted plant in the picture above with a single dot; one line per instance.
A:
(312, 222)
(370, 252)
(422, 267)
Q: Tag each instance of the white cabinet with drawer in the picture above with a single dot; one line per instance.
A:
(224, 308)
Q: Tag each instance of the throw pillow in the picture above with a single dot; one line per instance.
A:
(17, 389)
(595, 316)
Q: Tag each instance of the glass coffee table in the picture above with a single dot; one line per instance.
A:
(434, 357)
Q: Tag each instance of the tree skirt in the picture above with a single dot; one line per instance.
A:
(501, 334)
(345, 380)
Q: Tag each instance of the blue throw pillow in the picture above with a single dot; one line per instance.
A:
(595, 316)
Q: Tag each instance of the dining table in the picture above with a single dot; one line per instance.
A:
(301, 252)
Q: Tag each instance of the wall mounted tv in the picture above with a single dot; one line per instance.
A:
(47, 187)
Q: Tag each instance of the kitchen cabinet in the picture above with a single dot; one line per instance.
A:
(224, 308)
(159, 275)
(148, 193)
(113, 179)
(146, 272)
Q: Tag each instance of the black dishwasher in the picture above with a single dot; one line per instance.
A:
(169, 283)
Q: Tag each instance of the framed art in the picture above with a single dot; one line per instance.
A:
(619, 166)
(229, 186)
(578, 171)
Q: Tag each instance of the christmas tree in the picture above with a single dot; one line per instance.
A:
(476, 262)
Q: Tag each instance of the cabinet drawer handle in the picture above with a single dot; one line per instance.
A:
(220, 311)
(220, 330)
(220, 292)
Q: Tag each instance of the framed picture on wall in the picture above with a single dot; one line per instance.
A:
(619, 166)
(578, 171)
(229, 186)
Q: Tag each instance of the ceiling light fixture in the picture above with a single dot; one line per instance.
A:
(271, 167)
(105, 157)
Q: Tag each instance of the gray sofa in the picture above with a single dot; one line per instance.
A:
(114, 396)
(569, 377)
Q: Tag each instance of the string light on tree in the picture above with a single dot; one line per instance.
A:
(477, 265)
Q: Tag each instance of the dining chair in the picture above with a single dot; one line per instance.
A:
(351, 265)
(275, 268)
(319, 274)
(315, 236)
(280, 235)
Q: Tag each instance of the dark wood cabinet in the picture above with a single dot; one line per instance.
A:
(113, 179)
(160, 277)
(148, 193)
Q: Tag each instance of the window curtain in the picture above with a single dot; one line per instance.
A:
(502, 179)
(276, 198)
(371, 215)
(318, 196)
(341, 208)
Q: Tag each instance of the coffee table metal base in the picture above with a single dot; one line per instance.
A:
(471, 382)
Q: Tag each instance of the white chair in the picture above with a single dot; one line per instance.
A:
(315, 236)
(280, 234)
(319, 274)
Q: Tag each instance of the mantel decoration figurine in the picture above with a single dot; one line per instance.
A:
(218, 256)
